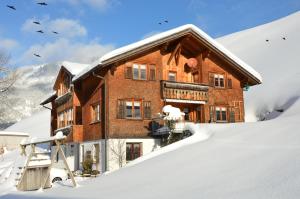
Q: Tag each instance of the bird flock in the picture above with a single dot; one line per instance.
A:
(283, 38)
(12, 7)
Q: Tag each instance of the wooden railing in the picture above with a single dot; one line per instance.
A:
(184, 91)
(74, 133)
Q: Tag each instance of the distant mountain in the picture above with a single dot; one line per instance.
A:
(34, 83)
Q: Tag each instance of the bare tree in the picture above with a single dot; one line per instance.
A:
(7, 76)
(117, 147)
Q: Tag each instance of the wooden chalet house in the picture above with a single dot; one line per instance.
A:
(114, 100)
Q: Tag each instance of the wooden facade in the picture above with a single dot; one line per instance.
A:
(126, 94)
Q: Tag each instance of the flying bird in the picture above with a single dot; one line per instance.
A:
(36, 22)
(166, 21)
(42, 3)
(40, 31)
(11, 7)
(37, 55)
(159, 23)
(283, 38)
(54, 32)
(267, 40)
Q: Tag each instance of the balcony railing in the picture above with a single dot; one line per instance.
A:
(63, 98)
(184, 91)
(74, 133)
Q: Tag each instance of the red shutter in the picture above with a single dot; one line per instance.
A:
(128, 72)
(147, 109)
(211, 80)
(121, 109)
(229, 83)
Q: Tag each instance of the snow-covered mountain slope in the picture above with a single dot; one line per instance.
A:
(32, 85)
(273, 50)
(23, 99)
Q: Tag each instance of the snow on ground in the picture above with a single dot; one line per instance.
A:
(9, 163)
(37, 125)
(277, 60)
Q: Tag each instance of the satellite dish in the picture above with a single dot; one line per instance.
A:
(192, 63)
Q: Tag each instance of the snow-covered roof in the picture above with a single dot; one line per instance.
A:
(74, 68)
(11, 133)
(166, 36)
(49, 98)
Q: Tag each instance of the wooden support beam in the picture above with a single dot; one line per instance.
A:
(174, 52)
(25, 168)
(66, 164)
(53, 157)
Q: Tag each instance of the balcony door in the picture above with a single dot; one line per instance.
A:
(193, 112)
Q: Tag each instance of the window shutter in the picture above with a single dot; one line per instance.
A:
(128, 72)
(147, 110)
(229, 83)
(211, 80)
(152, 74)
(121, 109)
(212, 114)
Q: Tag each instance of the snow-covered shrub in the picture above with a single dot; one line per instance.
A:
(87, 165)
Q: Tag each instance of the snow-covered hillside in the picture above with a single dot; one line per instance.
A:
(273, 49)
(245, 160)
(38, 125)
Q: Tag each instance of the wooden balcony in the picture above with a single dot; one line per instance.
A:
(184, 91)
(74, 133)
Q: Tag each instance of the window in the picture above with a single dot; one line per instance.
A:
(139, 72)
(238, 110)
(221, 114)
(172, 76)
(96, 113)
(219, 80)
(152, 72)
(65, 118)
(133, 151)
(216, 80)
(196, 77)
(133, 109)
(69, 114)
(61, 120)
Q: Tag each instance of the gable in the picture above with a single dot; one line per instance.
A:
(169, 36)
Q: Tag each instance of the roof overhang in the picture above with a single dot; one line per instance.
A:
(139, 47)
(49, 99)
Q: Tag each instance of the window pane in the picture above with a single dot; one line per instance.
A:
(136, 151)
(172, 76)
(218, 115)
(135, 71)
(137, 109)
(143, 72)
(224, 116)
(216, 81)
(128, 109)
(221, 82)
(128, 152)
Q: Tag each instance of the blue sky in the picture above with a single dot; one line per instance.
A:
(89, 28)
